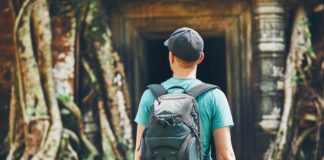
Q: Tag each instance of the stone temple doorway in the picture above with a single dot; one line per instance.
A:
(139, 29)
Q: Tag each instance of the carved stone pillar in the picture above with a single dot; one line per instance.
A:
(269, 52)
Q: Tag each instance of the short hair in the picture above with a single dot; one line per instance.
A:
(185, 64)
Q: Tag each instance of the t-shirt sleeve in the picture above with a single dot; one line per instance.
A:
(221, 116)
(144, 108)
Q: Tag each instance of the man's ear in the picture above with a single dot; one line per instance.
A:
(171, 57)
(201, 58)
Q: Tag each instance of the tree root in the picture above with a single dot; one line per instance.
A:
(74, 109)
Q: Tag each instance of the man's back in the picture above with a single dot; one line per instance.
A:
(213, 108)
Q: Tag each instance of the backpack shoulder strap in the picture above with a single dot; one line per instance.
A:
(200, 89)
(157, 90)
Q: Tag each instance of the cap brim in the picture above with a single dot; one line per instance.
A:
(166, 43)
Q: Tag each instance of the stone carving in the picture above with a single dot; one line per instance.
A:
(270, 121)
(269, 49)
(270, 27)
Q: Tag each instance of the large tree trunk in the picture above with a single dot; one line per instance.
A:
(44, 109)
(64, 23)
(31, 99)
(41, 23)
(111, 78)
(294, 58)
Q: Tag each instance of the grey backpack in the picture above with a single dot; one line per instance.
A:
(173, 129)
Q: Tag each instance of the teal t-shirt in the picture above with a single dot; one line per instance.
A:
(213, 107)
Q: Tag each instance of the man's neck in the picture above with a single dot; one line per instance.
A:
(185, 73)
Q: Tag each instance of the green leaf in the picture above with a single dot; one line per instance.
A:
(301, 155)
(301, 45)
(310, 49)
(94, 29)
(308, 34)
(92, 77)
(65, 98)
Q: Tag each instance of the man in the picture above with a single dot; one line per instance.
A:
(185, 53)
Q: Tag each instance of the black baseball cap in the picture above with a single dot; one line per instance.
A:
(186, 44)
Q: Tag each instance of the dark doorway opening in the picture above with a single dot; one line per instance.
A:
(211, 70)
(158, 69)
